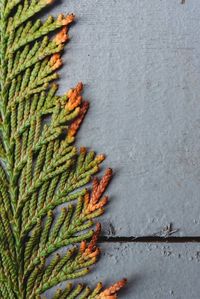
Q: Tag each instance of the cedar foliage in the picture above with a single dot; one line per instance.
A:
(40, 168)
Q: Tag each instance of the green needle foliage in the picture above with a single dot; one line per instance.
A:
(40, 168)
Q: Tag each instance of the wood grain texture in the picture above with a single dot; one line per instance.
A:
(140, 61)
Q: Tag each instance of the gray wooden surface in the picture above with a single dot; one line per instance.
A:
(140, 62)
(155, 271)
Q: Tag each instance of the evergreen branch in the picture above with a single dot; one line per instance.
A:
(29, 33)
(84, 292)
(30, 56)
(40, 168)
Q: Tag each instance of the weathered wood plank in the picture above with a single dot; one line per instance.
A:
(140, 61)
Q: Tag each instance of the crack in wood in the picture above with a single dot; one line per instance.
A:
(149, 239)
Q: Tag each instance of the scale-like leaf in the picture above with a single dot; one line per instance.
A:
(40, 168)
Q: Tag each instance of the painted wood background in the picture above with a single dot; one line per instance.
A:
(140, 62)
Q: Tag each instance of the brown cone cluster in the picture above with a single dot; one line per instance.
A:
(91, 250)
(111, 292)
(94, 201)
